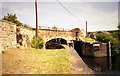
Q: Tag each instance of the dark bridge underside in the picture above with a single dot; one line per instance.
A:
(55, 43)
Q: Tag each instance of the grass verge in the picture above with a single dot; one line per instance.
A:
(35, 61)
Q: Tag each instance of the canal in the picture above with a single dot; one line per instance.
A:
(102, 64)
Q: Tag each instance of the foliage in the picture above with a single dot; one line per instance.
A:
(118, 26)
(88, 39)
(112, 31)
(27, 26)
(116, 35)
(103, 37)
(12, 18)
(113, 38)
(37, 43)
(54, 28)
(88, 32)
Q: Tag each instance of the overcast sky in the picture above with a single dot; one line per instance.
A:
(100, 15)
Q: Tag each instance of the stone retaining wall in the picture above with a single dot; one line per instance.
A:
(27, 36)
(7, 35)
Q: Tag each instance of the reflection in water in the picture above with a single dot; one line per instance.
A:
(103, 64)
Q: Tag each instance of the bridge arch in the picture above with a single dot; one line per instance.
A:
(55, 43)
(48, 39)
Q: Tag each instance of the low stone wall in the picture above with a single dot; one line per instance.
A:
(7, 35)
(91, 49)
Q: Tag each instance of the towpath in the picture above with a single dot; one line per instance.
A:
(78, 66)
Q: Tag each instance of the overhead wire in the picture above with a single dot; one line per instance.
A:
(68, 11)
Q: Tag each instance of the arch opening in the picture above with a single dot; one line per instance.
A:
(56, 43)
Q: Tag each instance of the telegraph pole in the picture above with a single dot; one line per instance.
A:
(86, 28)
(36, 19)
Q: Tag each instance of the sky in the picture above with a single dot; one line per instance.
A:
(100, 15)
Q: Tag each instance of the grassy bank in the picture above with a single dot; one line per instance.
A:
(88, 39)
(35, 61)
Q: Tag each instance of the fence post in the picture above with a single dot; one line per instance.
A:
(109, 48)
(110, 59)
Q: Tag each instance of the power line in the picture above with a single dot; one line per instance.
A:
(68, 11)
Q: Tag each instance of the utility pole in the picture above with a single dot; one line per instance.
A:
(36, 19)
(86, 28)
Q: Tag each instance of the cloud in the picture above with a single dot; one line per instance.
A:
(60, 0)
(99, 20)
(96, 16)
(51, 13)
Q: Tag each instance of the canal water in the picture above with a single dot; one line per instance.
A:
(103, 64)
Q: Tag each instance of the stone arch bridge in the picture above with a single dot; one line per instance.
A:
(56, 37)
(60, 35)
(49, 35)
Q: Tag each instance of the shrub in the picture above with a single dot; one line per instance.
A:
(54, 28)
(112, 38)
(37, 43)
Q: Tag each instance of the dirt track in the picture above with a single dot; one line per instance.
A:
(78, 66)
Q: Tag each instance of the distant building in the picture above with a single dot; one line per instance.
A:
(76, 33)
(93, 34)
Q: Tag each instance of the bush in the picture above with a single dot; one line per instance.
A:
(37, 43)
(54, 28)
(103, 37)
(27, 26)
(113, 39)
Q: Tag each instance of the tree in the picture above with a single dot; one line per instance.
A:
(113, 38)
(116, 35)
(118, 26)
(12, 18)
(54, 28)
